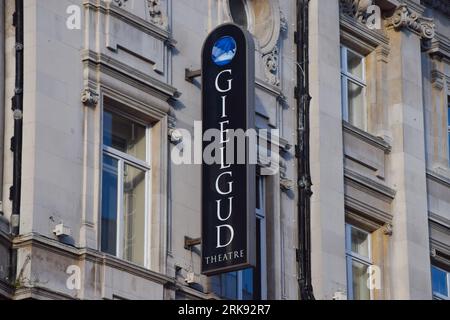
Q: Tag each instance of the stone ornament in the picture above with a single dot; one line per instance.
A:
(388, 229)
(120, 2)
(356, 9)
(154, 11)
(89, 98)
(404, 17)
(266, 22)
(156, 15)
(271, 67)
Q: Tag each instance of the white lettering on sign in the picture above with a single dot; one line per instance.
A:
(224, 231)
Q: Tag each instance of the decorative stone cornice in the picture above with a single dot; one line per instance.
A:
(404, 17)
(440, 47)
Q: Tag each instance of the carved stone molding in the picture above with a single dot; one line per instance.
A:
(89, 97)
(404, 17)
(120, 2)
(286, 184)
(437, 79)
(356, 9)
(156, 15)
(271, 67)
(388, 229)
(382, 53)
(284, 25)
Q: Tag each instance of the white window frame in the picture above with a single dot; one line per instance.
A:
(347, 76)
(437, 295)
(353, 256)
(126, 159)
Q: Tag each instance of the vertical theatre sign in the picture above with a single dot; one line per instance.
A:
(228, 186)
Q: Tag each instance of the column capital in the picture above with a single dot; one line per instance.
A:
(405, 17)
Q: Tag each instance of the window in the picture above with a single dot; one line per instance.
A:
(440, 283)
(448, 129)
(249, 284)
(354, 108)
(125, 180)
(358, 255)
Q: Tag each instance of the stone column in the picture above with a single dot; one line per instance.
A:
(327, 212)
(410, 258)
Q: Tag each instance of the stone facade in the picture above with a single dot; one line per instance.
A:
(392, 179)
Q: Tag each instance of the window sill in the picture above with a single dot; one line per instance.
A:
(367, 137)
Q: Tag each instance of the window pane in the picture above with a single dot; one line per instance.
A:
(448, 145)
(238, 12)
(247, 284)
(109, 205)
(360, 242)
(124, 135)
(360, 277)
(356, 106)
(355, 64)
(258, 193)
(439, 281)
(229, 286)
(448, 112)
(134, 215)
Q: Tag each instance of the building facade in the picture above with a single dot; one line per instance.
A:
(109, 85)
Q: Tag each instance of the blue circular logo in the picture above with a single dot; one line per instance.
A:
(224, 51)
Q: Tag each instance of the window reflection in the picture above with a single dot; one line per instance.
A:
(109, 205)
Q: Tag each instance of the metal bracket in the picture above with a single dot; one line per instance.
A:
(190, 75)
(190, 242)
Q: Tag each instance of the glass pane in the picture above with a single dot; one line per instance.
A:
(124, 135)
(360, 242)
(238, 12)
(229, 286)
(356, 106)
(448, 112)
(360, 277)
(439, 281)
(134, 214)
(109, 205)
(247, 284)
(355, 64)
(258, 193)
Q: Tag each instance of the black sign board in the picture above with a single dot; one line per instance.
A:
(228, 189)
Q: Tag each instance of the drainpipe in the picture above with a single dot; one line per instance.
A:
(302, 153)
(17, 107)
